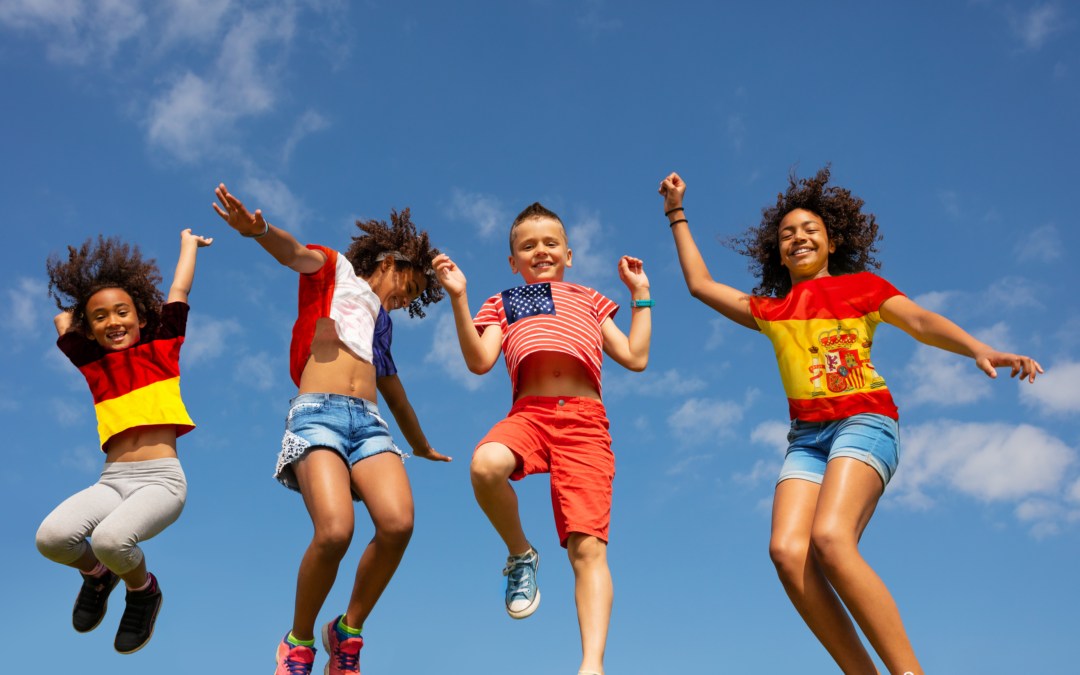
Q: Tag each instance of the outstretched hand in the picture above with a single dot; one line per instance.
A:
(432, 454)
(449, 275)
(673, 188)
(236, 215)
(186, 236)
(632, 273)
(1026, 366)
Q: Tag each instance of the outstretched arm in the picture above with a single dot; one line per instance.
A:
(937, 331)
(185, 267)
(631, 352)
(394, 394)
(480, 351)
(732, 303)
(277, 242)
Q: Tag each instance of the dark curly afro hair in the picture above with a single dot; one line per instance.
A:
(110, 263)
(400, 236)
(853, 232)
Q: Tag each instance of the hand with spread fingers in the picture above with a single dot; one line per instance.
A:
(233, 212)
(988, 360)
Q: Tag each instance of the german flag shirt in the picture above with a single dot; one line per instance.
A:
(137, 386)
(822, 333)
(549, 317)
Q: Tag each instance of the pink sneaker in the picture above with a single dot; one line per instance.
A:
(294, 660)
(344, 650)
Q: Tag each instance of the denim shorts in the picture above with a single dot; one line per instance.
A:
(867, 437)
(351, 426)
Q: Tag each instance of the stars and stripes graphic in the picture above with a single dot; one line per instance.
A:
(525, 301)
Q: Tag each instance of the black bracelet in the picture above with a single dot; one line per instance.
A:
(680, 220)
(677, 208)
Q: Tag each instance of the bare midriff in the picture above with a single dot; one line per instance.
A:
(139, 444)
(554, 374)
(333, 368)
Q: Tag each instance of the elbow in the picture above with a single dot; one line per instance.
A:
(696, 290)
(639, 364)
(477, 368)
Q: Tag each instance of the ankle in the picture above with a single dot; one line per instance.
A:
(98, 571)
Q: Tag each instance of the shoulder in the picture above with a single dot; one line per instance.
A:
(78, 348)
(174, 316)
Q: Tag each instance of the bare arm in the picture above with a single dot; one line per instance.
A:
(277, 242)
(937, 331)
(631, 352)
(185, 267)
(62, 321)
(394, 394)
(732, 303)
(480, 351)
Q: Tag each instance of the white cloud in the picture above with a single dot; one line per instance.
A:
(26, 316)
(736, 130)
(66, 412)
(1013, 293)
(987, 461)
(708, 419)
(57, 361)
(197, 20)
(206, 337)
(944, 378)
(935, 301)
(309, 123)
(76, 31)
(255, 371)
(668, 383)
(772, 434)
(590, 264)
(997, 336)
(1042, 244)
(484, 211)
(1057, 391)
(446, 352)
(717, 334)
(1036, 26)
(592, 23)
(763, 469)
(279, 205)
(1074, 492)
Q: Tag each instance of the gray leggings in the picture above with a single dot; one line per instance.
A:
(133, 502)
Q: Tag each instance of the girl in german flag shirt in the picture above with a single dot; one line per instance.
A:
(819, 305)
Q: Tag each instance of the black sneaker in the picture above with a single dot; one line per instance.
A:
(137, 624)
(93, 600)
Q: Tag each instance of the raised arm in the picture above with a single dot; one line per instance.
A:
(937, 331)
(394, 394)
(631, 352)
(480, 351)
(277, 242)
(732, 303)
(185, 267)
(62, 321)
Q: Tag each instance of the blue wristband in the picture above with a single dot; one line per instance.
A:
(642, 303)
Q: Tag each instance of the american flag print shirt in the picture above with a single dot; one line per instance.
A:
(549, 317)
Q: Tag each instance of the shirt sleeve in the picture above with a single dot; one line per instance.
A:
(605, 307)
(173, 320)
(79, 350)
(881, 291)
(380, 346)
(488, 314)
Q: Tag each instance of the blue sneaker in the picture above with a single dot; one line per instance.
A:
(522, 593)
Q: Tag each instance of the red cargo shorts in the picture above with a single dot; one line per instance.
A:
(568, 438)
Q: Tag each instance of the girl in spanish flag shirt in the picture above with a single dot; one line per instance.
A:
(819, 305)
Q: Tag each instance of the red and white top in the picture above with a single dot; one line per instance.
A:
(549, 317)
(333, 292)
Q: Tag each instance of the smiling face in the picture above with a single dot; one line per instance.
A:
(397, 288)
(804, 246)
(114, 323)
(540, 250)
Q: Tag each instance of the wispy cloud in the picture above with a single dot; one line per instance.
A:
(592, 23)
(26, 315)
(67, 413)
(717, 333)
(82, 459)
(1055, 392)
(736, 130)
(309, 123)
(773, 435)
(255, 371)
(699, 420)
(279, 205)
(687, 463)
(667, 383)
(943, 378)
(76, 31)
(207, 337)
(950, 203)
(486, 212)
(1035, 27)
(1042, 244)
(591, 263)
(446, 353)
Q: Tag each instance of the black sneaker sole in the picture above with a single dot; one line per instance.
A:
(153, 625)
(104, 610)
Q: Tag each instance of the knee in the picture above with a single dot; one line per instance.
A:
(788, 555)
(56, 545)
(489, 468)
(831, 546)
(396, 530)
(586, 550)
(117, 550)
(333, 538)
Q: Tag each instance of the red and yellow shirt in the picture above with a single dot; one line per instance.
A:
(822, 333)
(138, 386)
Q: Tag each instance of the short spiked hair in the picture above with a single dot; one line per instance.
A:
(535, 210)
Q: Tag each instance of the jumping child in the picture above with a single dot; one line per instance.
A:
(115, 329)
(336, 448)
(552, 334)
(819, 305)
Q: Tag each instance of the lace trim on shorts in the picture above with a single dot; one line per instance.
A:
(292, 448)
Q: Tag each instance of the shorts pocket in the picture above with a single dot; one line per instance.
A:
(301, 409)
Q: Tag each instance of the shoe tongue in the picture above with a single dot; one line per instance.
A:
(302, 653)
(352, 645)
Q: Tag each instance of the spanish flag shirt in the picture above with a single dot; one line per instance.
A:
(822, 333)
(138, 386)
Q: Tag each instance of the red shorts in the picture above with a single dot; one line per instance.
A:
(568, 438)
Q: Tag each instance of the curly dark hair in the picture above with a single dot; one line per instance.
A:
(110, 263)
(853, 232)
(401, 237)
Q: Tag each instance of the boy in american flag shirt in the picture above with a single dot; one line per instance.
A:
(554, 335)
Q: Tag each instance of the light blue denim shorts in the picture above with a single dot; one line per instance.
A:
(867, 437)
(351, 426)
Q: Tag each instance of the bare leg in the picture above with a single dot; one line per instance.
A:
(86, 562)
(136, 577)
(849, 495)
(794, 507)
(383, 484)
(491, 468)
(324, 483)
(594, 594)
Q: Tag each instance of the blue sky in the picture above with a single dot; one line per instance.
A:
(955, 121)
